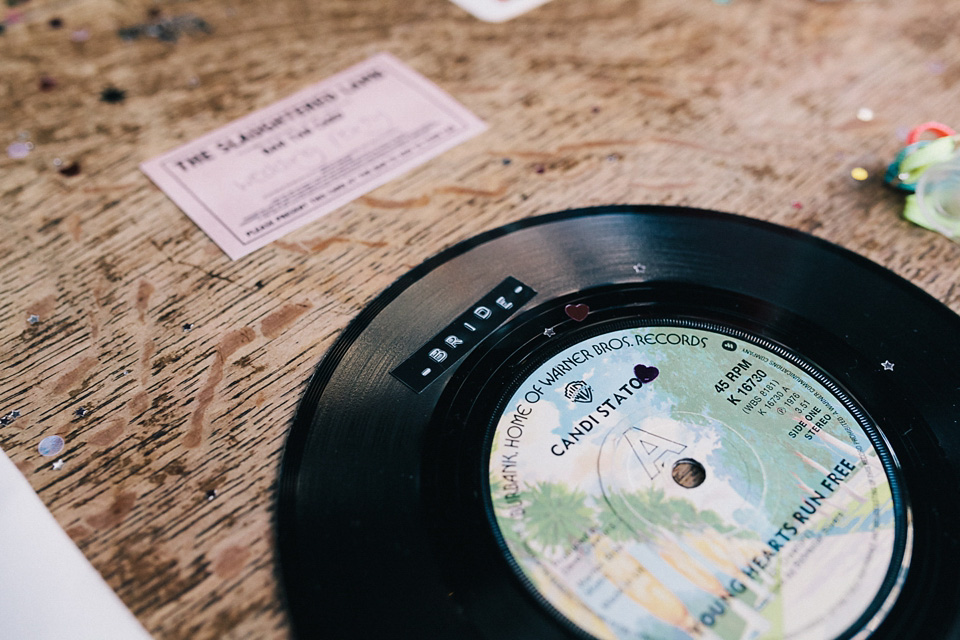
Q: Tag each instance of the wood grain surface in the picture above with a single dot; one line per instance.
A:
(189, 366)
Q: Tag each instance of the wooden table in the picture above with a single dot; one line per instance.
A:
(173, 373)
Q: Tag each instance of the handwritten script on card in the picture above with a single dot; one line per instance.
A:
(275, 170)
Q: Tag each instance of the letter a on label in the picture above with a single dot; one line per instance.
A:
(649, 448)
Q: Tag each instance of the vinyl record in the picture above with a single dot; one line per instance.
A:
(631, 422)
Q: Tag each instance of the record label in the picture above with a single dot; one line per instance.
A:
(615, 422)
(685, 480)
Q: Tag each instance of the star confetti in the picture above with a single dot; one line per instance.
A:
(549, 332)
(887, 365)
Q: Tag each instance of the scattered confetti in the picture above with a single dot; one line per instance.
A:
(577, 312)
(4, 421)
(81, 412)
(113, 95)
(188, 326)
(47, 83)
(33, 318)
(211, 495)
(549, 332)
(69, 170)
(864, 114)
(797, 205)
(640, 268)
(506, 161)
(14, 414)
(55, 23)
(80, 35)
(19, 150)
(887, 365)
(860, 174)
(50, 446)
(166, 29)
(645, 374)
(540, 168)
(58, 465)
(10, 417)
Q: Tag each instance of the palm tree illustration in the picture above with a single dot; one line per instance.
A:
(557, 516)
(554, 517)
(667, 523)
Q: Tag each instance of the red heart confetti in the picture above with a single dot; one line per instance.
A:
(577, 311)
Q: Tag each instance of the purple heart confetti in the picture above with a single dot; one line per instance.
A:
(645, 374)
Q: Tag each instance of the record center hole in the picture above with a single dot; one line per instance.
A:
(689, 473)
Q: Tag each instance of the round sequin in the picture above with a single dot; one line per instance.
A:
(50, 446)
(18, 150)
(859, 173)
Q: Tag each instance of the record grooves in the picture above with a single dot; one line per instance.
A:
(487, 449)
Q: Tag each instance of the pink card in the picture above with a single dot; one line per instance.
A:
(498, 10)
(275, 170)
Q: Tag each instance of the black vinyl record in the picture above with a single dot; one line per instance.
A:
(631, 422)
